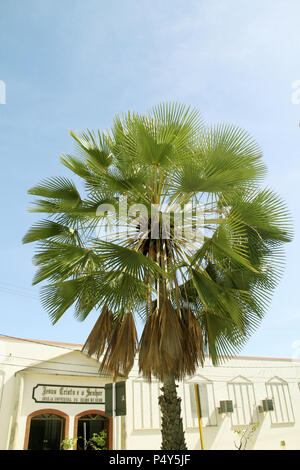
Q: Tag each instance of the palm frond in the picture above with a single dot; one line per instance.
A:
(50, 229)
(194, 297)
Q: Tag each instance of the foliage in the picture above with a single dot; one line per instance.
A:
(98, 441)
(68, 443)
(245, 435)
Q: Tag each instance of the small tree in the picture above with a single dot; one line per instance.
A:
(68, 443)
(245, 435)
(98, 441)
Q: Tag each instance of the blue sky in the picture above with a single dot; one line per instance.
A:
(73, 64)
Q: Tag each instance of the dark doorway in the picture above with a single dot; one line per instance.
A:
(46, 432)
(87, 426)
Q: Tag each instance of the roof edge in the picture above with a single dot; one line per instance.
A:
(40, 341)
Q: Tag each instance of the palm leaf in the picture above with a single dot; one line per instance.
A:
(194, 298)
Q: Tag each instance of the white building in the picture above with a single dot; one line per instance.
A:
(49, 391)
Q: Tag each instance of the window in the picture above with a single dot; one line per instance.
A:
(278, 391)
(146, 412)
(46, 432)
(207, 403)
(241, 392)
(87, 426)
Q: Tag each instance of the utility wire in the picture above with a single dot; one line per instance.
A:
(42, 360)
(214, 380)
(60, 370)
(14, 289)
(207, 366)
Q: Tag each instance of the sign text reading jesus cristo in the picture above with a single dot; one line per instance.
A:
(44, 393)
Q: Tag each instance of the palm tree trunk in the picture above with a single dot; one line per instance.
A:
(172, 427)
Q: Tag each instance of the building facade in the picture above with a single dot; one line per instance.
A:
(50, 392)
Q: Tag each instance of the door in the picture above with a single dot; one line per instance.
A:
(87, 426)
(46, 432)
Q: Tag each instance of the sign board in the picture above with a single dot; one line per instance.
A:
(45, 393)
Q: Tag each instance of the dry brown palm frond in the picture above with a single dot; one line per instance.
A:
(172, 343)
(120, 353)
(171, 339)
(194, 343)
(100, 334)
(161, 344)
(149, 353)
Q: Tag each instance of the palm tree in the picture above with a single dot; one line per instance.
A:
(174, 228)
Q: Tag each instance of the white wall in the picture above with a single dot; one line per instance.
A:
(27, 364)
(246, 381)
